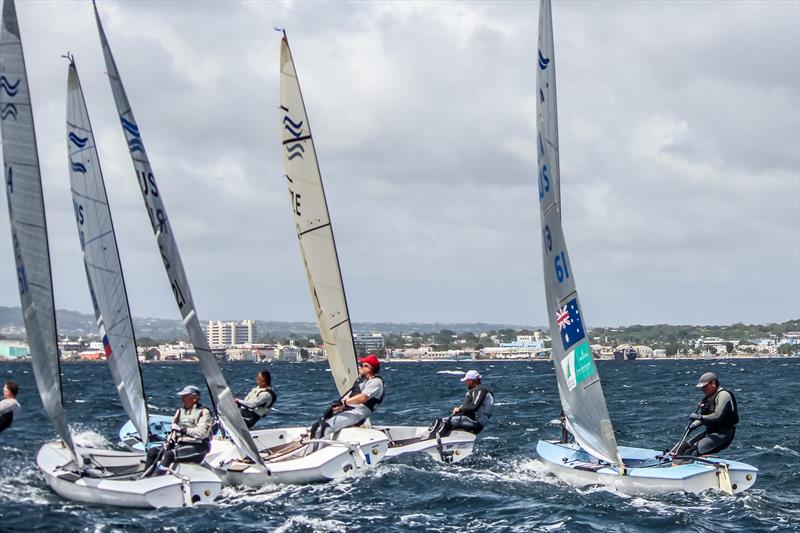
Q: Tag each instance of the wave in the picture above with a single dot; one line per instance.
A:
(452, 372)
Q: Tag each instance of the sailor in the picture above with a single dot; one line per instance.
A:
(357, 404)
(190, 438)
(719, 416)
(8, 405)
(259, 400)
(474, 412)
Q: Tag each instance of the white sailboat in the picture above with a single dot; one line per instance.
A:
(321, 262)
(221, 394)
(594, 458)
(76, 473)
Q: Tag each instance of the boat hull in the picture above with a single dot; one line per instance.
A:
(358, 449)
(122, 486)
(644, 476)
(454, 448)
(410, 439)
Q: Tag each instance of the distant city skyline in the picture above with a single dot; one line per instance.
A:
(679, 141)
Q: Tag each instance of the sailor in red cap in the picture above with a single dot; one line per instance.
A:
(357, 404)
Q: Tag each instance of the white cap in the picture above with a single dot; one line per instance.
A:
(189, 389)
(471, 374)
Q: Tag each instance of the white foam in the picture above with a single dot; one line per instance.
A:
(452, 372)
(315, 524)
(88, 438)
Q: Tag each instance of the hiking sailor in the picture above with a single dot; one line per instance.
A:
(357, 405)
(718, 413)
(190, 438)
(8, 405)
(474, 412)
(259, 400)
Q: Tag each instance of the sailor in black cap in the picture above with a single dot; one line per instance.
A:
(718, 415)
(190, 438)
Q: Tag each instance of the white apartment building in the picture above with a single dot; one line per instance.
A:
(221, 333)
(368, 343)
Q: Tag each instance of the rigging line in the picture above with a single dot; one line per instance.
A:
(109, 232)
(76, 126)
(98, 267)
(85, 197)
(313, 229)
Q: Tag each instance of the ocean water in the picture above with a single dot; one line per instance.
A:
(502, 486)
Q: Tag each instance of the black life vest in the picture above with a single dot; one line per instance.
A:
(372, 403)
(5, 421)
(728, 420)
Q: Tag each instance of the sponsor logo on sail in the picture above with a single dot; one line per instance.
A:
(135, 142)
(295, 150)
(295, 129)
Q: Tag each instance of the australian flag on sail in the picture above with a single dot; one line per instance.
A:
(570, 324)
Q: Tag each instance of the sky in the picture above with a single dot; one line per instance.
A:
(679, 129)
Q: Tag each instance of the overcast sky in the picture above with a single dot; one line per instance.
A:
(680, 155)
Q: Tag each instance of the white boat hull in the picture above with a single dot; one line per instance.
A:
(355, 449)
(410, 439)
(644, 476)
(118, 483)
(454, 448)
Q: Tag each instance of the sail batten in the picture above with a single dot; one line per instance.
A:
(221, 394)
(579, 385)
(313, 224)
(101, 256)
(23, 185)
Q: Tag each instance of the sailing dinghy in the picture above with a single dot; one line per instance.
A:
(323, 273)
(594, 458)
(76, 473)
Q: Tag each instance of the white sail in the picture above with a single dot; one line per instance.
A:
(23, 186)
(101, 256)
(314, 231)
(578, 381)
(221, 393)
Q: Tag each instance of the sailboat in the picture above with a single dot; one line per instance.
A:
(221, 394)
(594, 458)
(81, 474)
(323, 273)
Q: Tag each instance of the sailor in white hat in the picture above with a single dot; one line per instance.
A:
(190, 438)
(474, 412)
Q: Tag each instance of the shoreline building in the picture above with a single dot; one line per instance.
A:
(220, 333)
(368, 343)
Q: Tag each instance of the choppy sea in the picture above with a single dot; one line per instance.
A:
(501, 487)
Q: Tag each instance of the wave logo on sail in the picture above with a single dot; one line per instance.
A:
(135, 142)
(295, 129)
(77, 166)
(543, 61)
(9, 110)
(80, 142)
(295, 150)
(8, 87)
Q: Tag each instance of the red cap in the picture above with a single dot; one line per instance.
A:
(372, 361)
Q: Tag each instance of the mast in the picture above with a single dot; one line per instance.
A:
(220, 392)
(579, 386)
(314, 230)
(23, 184)
(101, 256)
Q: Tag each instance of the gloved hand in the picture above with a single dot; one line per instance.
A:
(694, 425)
(695, 416)
(176, 427)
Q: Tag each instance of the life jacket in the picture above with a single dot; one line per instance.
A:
(371, 403)
(191, 419)
(728, 420)
(5, 421)
(261, 410)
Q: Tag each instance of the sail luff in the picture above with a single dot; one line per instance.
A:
(579, 386)
(28, 224)
(101, 256)
(314, 230)
(221, 394)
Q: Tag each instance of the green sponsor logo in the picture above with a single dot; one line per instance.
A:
(584, 365)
